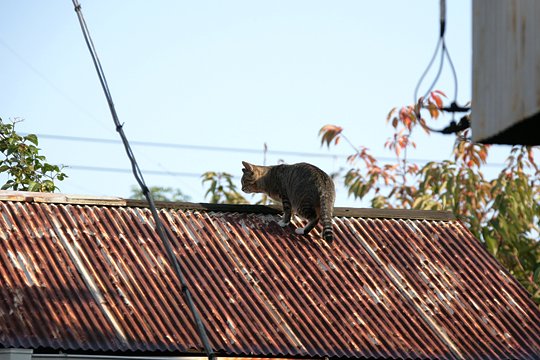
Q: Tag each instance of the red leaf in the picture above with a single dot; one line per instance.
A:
(433, 110)
(531, 156)
(437, 99)
(440, 93)
(330, 128)
(330, 133)
(390, 114)
(352, 158)
(407, 122)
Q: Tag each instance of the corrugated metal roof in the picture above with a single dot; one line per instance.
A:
(90, 274)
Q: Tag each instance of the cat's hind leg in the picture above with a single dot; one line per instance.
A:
(313, 218)
(309, 226)
(287, 211)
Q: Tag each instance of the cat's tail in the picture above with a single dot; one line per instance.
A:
(327, 213)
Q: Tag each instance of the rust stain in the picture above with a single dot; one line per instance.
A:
(95, 277)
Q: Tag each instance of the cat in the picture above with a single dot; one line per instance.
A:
(301, 188)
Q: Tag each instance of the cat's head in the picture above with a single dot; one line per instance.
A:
(252, 173)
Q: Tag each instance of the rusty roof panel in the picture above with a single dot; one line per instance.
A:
(95, 277)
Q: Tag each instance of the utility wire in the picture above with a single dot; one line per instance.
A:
(210, 148)
(123, 170)
(51, 84)
(140, 180)
(454, 108)
(383, 159)
(185, 146)
(441, 43)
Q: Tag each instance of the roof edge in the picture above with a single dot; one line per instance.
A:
(394, 213)
(57, 198)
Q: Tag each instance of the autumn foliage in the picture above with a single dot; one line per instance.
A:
(503, 212)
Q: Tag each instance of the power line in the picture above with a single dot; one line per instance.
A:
(51, 84)
(121, 170)
(454, 108)
(203, 147)
(186, 146)
(383, 159)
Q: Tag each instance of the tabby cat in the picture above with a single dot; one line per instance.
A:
(301, 188)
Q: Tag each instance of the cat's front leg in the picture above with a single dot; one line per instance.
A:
(286, 218)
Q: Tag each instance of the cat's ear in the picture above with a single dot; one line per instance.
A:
(247, 166)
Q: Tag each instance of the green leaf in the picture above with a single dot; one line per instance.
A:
(536, 276)
(492, 244)
(33, 186)
(32, 138)
(23, 164)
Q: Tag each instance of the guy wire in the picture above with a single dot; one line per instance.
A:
(140, 180)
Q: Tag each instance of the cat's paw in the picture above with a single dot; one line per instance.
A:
(282, 223)
(299, 231)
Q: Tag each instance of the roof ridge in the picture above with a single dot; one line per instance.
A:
(59, 198)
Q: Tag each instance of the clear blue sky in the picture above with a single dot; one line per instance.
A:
(229, 74)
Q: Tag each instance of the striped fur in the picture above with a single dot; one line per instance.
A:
(301, 188)
(326, 216)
